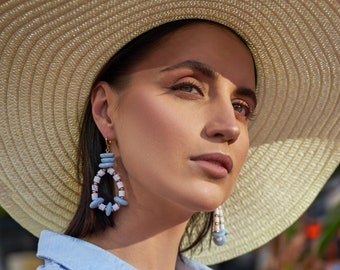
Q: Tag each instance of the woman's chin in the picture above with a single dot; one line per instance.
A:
(208, 203)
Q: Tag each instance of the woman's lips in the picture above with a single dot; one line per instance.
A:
(217, 165)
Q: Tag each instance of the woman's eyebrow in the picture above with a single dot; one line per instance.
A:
(195, 65)
(210, 73)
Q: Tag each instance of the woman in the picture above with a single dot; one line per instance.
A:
(165, 129)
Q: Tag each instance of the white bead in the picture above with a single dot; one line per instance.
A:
(94, 196)
(94, 188)
(121, 193)
(110, 170)
(101, 172)
(115, 207)
(96, 179)
(116, 177)
(102, 206)
(120, 184)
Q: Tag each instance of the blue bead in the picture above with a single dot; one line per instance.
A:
(108, 209)
(107, 160)
(106, 155)
(219, 238)
(219, 241)
(120, 201)
(95, 203)
(105, 165)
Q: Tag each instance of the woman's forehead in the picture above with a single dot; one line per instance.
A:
(202, 42)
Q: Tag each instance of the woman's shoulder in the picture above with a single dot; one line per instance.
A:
(61, 251)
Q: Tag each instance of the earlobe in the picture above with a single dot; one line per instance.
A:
(102, 102)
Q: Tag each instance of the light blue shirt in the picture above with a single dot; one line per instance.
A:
(63, 252)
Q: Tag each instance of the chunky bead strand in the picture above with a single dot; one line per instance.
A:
(106, 166)
(219, 232)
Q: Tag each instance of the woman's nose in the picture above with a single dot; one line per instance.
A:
(222, 124)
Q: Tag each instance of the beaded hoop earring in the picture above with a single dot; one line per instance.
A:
(106, 166)
(219, 233)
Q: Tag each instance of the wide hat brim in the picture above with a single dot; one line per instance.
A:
(51, 52)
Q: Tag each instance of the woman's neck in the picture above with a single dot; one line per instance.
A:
(144, 239)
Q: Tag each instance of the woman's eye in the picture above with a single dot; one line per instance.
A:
(243, 109)
(188, 87)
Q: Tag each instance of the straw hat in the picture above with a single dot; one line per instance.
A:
(51, 51)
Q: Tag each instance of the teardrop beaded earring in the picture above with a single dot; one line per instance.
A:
(106, 166)
(219, 233)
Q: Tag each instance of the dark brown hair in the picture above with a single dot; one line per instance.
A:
(91, 143)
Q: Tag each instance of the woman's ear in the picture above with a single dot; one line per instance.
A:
(103, 100)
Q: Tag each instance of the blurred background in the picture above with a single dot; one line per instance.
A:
(311, 243)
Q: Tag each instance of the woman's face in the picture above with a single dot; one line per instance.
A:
(181, 123)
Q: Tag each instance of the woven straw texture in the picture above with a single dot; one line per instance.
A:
(50, 53)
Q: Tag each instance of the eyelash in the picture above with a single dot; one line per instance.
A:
(181, 85)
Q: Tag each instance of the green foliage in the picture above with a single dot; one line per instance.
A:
(330, 227)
